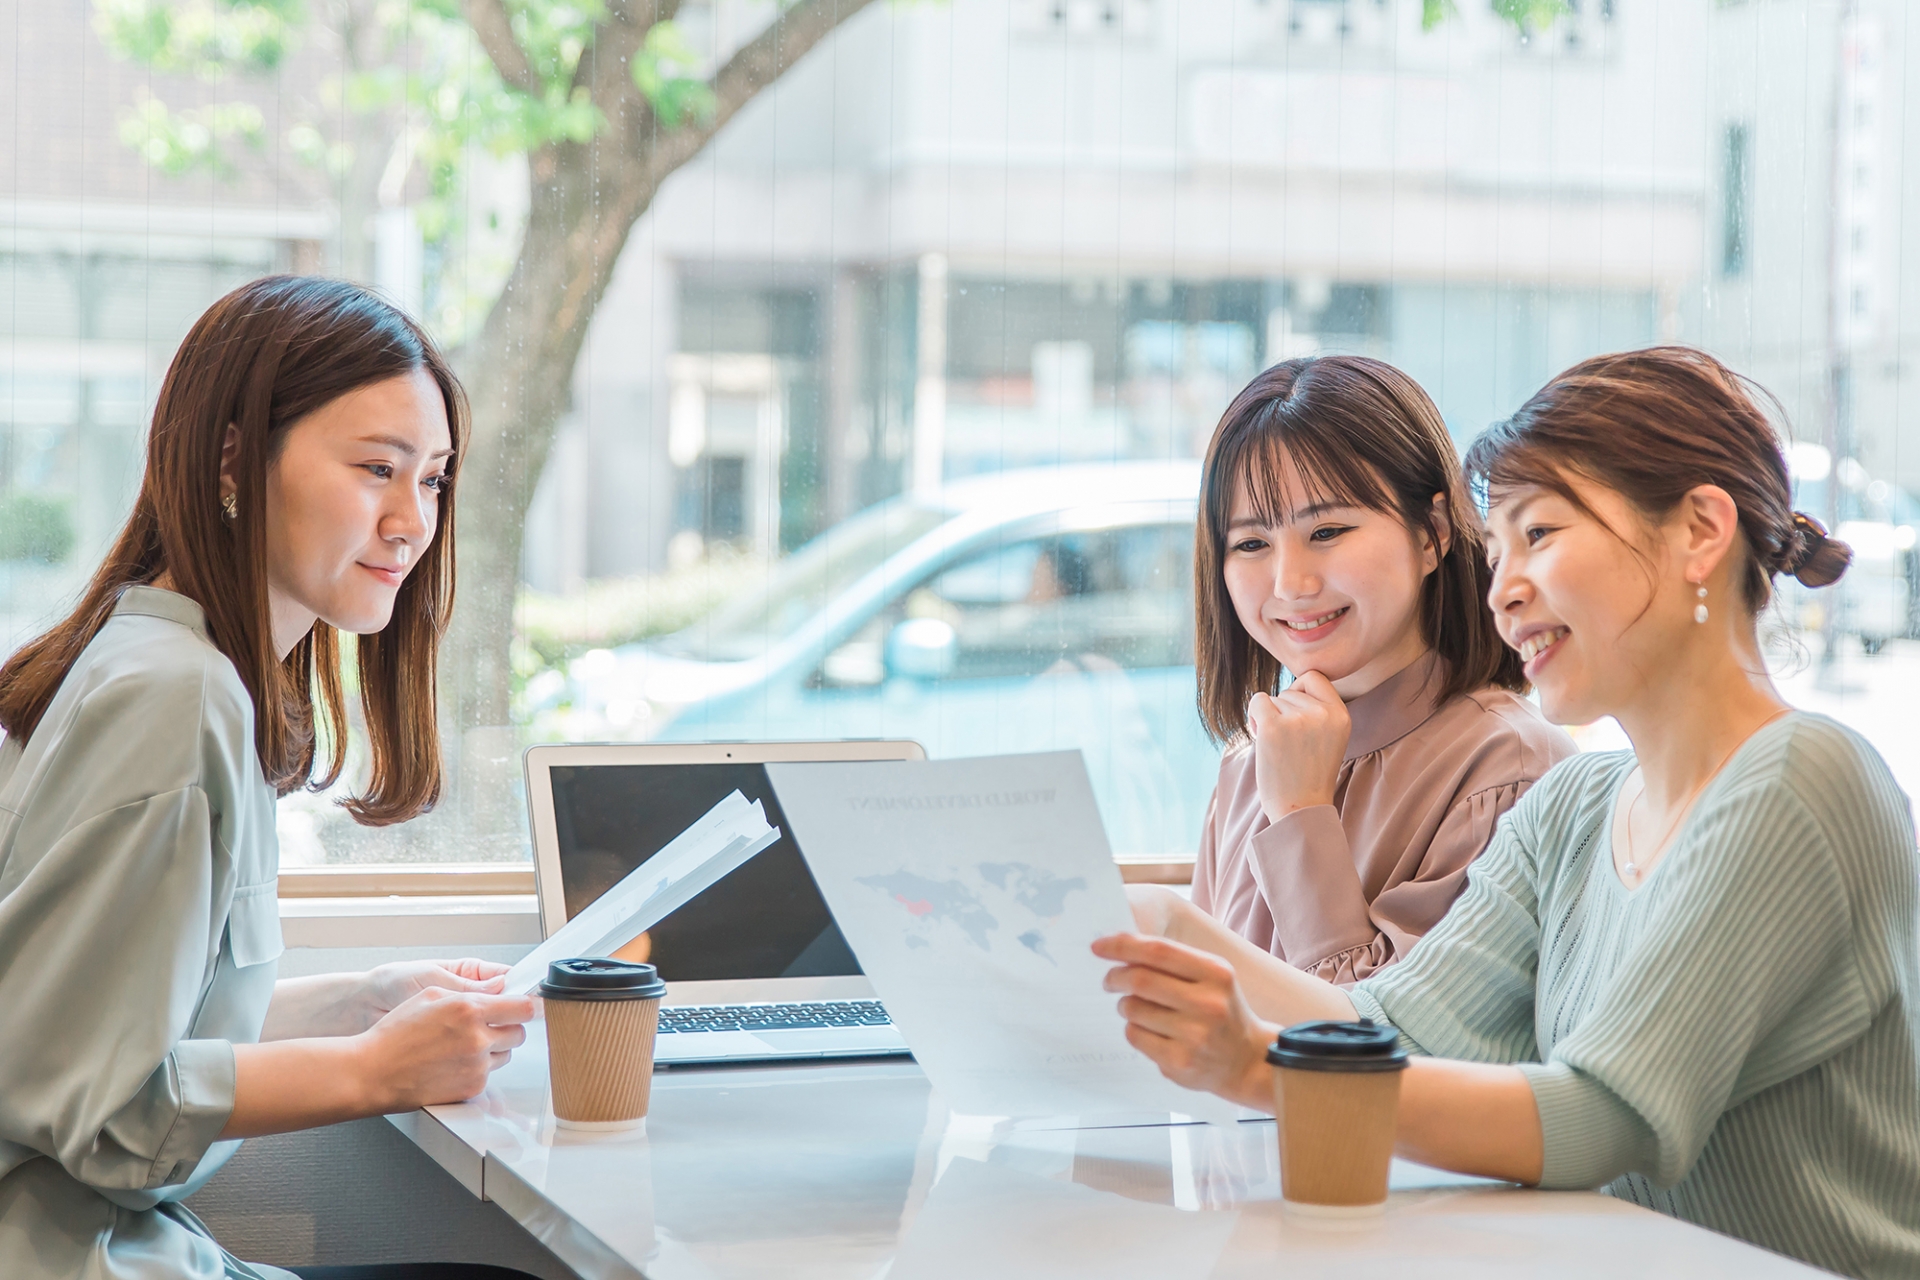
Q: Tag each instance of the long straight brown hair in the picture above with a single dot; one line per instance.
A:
(1360, 432)
(260, 359)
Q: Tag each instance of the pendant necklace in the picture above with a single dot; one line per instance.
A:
(1633, 871)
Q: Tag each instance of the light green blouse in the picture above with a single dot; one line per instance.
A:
(139, 929)
(1736, 1042)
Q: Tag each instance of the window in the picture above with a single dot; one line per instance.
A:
(1734, 231)
(877, 409)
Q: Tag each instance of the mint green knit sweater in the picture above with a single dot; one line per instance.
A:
(1736, 1042)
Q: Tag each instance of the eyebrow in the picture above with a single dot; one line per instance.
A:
(1519, 512)
(1303, 514)
(403, 446)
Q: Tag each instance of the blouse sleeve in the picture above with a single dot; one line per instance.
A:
(102, 952)
(1203, 863)
(1312, 885)
(108, 936)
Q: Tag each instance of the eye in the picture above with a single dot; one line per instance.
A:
(1328, 532)
(1247, 546)
(438, 484)
(381, 470)
(1535, 532)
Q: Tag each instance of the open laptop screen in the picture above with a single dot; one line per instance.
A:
(764, 920)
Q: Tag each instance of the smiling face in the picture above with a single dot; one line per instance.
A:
(1330, 587)
(353, 501)
(1594, 609)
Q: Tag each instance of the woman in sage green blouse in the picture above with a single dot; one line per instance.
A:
(296, 487)
(1686, 973)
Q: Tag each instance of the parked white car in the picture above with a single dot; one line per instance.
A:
(1032, 610)
(1879, 599)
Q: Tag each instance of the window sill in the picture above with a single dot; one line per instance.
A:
(454, 905)
(451, 920)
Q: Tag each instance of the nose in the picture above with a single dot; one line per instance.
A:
(1293, 575)
(1510, 589)
(411, 518)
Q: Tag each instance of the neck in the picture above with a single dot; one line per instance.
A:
(291, 622)
(1688, 718)
(1390, 663)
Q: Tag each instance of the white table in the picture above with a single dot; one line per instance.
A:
(822, 1171)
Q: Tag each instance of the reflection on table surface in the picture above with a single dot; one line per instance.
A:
(859, 1170)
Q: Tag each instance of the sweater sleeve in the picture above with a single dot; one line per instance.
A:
(1742, 975)
(1312, 885)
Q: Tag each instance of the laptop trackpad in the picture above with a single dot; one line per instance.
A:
(709, 1044)
(823, 1040)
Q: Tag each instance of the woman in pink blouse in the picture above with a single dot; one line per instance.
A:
(1336, 544)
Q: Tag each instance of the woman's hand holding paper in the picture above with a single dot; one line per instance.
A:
(1185, 1012)
(391, 985)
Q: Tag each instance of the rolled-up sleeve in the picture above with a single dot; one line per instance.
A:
(106, 949)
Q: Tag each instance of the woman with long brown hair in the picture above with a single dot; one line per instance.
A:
(298, 485)
(1376, 728)
(1687, 973)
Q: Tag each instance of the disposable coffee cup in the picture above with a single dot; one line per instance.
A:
(602, 1015)
(1336, 1096)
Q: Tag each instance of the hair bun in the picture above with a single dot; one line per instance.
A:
(1811, 556)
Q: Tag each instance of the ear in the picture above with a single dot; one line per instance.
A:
(1703, 529)
(1431, 556)
(229, 456)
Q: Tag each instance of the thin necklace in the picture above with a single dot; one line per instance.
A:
(1692, 795)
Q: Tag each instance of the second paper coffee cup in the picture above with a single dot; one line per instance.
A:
(1336, 1096)
(602, 1016)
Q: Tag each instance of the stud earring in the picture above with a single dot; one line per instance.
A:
(230, 507)
(1700, 610)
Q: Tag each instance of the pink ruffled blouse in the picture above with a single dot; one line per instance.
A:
(1345, 889)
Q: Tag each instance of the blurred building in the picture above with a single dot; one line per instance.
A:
(105, 263)
(1807, 267)
(991, 233)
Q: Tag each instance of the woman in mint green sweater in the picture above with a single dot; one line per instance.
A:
(1687, 973)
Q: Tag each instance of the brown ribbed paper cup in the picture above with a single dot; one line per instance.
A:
(1336, 1097)
(602, 1015)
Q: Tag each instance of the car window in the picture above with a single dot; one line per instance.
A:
(1076, 601)
(805, 582)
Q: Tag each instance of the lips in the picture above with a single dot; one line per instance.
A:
(1314, 623)
(392, 575)
(1539, 642)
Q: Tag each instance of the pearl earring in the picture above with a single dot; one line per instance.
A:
(1700, 610)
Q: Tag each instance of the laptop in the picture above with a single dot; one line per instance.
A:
(756, 970)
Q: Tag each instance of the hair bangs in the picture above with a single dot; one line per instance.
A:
(1329, 472)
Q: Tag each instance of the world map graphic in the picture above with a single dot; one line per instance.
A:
(930, 903)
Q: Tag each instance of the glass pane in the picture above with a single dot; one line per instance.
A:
(887, 345)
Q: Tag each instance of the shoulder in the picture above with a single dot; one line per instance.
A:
(1831, 774)
(154, 695)
(1503, 735)
(1236, 763)
(161, 662)
(1574, 794)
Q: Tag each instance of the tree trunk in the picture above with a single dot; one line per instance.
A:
(585, 200)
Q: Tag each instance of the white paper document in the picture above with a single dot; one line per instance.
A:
(730, 833)
(971, 891)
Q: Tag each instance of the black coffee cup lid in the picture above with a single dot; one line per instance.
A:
(602, 977)
(1338, 1046)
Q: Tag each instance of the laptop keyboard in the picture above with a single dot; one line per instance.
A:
(679, 1018)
